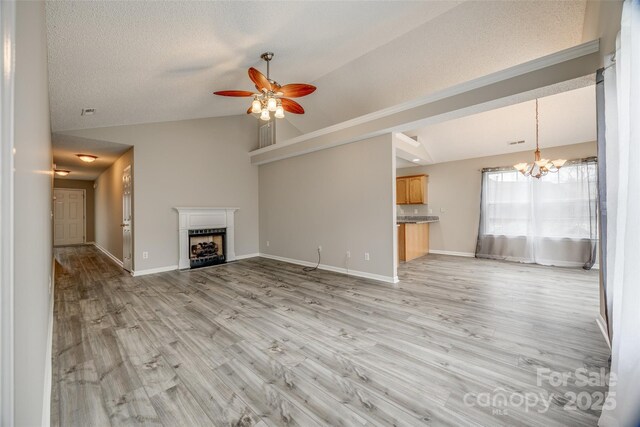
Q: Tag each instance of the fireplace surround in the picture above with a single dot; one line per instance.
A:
(210, 230)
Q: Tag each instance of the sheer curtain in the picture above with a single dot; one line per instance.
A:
(549, 221)
(622, 120)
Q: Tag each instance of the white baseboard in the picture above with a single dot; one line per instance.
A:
(109, 254)
(239, 257)
(363, 274)
(164, 269)
(602, 324)
(452, 253)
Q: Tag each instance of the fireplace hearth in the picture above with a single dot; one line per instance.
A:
(207, 247)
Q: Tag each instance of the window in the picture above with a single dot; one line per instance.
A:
(559, 205)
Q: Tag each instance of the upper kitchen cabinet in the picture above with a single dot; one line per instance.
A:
(411, 190)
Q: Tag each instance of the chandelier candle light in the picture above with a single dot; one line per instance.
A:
(272, 97)
(540, 167)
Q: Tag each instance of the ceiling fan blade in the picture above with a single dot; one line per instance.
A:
(292, 106)
(296, 90)
(234, 93)
(259, 79)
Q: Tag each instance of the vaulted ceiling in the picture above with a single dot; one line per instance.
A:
(138, 62)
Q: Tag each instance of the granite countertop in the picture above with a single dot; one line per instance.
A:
(408, 219)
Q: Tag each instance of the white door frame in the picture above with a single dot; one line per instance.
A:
(7, 82)
(128, 169)
(84, 211)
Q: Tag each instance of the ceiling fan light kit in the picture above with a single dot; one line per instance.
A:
(540, 167)
(271, 96)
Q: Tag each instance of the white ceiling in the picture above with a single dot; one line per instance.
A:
(151, 61)
(137, 61)
(65, 148)
(471, 40)
(564, 118)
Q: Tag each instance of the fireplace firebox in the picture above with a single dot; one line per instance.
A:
(207, 247)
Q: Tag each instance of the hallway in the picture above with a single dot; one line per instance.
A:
(259, 342)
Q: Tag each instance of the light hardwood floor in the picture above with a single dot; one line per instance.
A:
(260, 342)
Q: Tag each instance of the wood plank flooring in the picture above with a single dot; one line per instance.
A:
(262, 343)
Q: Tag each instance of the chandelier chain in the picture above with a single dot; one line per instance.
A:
(537, 136)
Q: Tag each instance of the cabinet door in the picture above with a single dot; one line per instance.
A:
(417, 186)
(402, 191)
(402, 256)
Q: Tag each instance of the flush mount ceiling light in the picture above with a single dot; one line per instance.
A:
(416, 160)
(540, 167)
(62, 172)
(271, 96)
(89, 158)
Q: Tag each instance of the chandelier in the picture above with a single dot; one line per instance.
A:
(540, 167)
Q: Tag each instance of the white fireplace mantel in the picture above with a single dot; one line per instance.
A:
(196, 218)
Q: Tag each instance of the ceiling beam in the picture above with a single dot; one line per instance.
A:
(506, 87)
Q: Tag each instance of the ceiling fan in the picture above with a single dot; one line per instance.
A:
(271, 96)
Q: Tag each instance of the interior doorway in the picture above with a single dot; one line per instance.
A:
(68, 217)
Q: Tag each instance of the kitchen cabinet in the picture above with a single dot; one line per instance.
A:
(411, 190)
(413, 240)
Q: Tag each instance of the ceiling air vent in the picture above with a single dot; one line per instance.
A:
(88, 111)
(515, 142)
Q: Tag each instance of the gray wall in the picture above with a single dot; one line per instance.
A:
(87, 186)
(455, 187)
(340, 198)
(201, 162)
(33, 224)
(108, 205)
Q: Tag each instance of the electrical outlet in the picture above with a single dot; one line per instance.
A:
(319, 248)
(348, 254)
(415, 211)
(430, 211)
(366, 256)
(267, 243)
(145, 255)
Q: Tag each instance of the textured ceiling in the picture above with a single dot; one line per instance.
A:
(138, 61)
(565, 118)
(65, 148)
(471, 40)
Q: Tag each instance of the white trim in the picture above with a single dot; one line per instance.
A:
(603, 328)
(452, 253)
(363, 274)
(138, 273)
(508, 73)
(7, 83)
(239, 257)
(109, 254)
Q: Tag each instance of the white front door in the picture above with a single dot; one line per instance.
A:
(127, 240)
(68, 216)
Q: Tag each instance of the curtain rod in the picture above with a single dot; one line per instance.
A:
(591, 159)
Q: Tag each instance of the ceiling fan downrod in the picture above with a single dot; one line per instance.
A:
(267, 56)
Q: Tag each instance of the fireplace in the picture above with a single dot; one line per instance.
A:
(207, 247)
(205, 225)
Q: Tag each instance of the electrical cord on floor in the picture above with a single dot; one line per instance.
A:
(308, 269)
